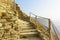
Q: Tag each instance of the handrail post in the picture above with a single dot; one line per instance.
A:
(49, 24)
(36, 18)
(29, 16)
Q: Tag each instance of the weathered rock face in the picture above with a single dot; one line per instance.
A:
(8, 20)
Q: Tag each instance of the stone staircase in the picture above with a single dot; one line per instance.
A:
(27, 31)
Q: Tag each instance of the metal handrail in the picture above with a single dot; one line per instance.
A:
(39, 16)
(40, 24)
(54, 29)
(49, 25)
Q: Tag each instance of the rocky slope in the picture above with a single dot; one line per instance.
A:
(14, 24)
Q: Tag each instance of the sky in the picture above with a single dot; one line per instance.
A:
(45, 8)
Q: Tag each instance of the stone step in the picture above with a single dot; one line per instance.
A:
(30, 30)
(26, 27)
(32, 38)
(21, 21)
(28, 33)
